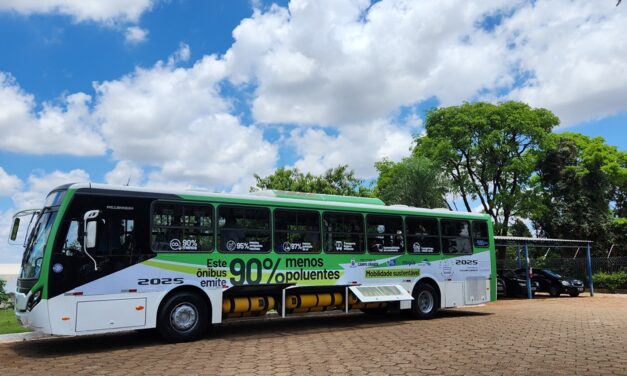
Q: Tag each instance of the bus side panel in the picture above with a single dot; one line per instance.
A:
(73, 315)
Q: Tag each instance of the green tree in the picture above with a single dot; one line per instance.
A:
(579, 190)
(489, 152)
(519, 228)
(4, 297)
(335, 181)
(413, 181)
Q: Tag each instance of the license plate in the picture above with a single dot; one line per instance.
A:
(580, 289)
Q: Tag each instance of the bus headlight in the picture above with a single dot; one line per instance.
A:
(33, 300)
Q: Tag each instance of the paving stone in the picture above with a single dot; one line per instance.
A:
(563, 336)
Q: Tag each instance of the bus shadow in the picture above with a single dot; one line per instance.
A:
(63, 346)
(301, 325)
(229, 331)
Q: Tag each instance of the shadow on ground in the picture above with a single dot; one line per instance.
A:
(229, 331)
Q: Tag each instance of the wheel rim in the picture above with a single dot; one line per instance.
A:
(425, 301)
(184, 317)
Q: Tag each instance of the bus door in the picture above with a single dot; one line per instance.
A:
(122, 241)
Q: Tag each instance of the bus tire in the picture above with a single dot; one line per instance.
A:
(425, 303)
(183, 317)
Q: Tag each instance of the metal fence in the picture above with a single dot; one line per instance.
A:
(570, 267)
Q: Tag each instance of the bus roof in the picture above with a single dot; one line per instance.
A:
(318, 197)
(277, 197)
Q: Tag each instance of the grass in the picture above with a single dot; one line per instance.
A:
(8, 323)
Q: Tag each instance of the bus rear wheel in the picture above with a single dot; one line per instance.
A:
(425, 304)
(183, 317)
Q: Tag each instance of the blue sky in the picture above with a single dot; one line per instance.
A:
(190, 93)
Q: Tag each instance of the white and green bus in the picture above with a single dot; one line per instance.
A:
(100, 258)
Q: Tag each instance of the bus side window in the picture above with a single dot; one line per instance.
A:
(72, 244)
(385, 234)
(456, 236)
(343, 233)
(480, 234)
(167, 225)
(244, 229)
(423, 235)
(297, 231)
(122, 236)
(178, 227)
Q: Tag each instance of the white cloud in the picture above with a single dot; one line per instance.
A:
(125, 173)
(342, 65)
(135, 35)
(39, 184)
(56, 129)
(575, 53)
(174, 121)
(359, 146)
(83, 10)
(8, 253)
(343, 62)
(9, 184)
(181, 55)
(340, 62)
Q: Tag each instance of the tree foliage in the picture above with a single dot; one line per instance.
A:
(336, 181)
(414, 181)
(488, 151)
(4, 297)
(579, 190)
(519, 228)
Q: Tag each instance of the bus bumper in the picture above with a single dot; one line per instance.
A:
(35, 319)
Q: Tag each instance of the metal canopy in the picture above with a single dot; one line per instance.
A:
(540, 242)
(548, 243)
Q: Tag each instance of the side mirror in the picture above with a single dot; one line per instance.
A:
(91, 233)
(15, 228)
(91, 228)
(20, 226)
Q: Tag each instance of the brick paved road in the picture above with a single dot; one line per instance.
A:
(563, 336)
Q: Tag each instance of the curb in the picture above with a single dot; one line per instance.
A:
(18, 337)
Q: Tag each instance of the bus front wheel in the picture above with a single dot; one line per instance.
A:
(425, 304)
(183, 317)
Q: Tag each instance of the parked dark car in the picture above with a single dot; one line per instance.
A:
(500, 286)
(555, 284)
(513, 284)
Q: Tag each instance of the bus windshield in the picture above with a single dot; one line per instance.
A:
(34, 252)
